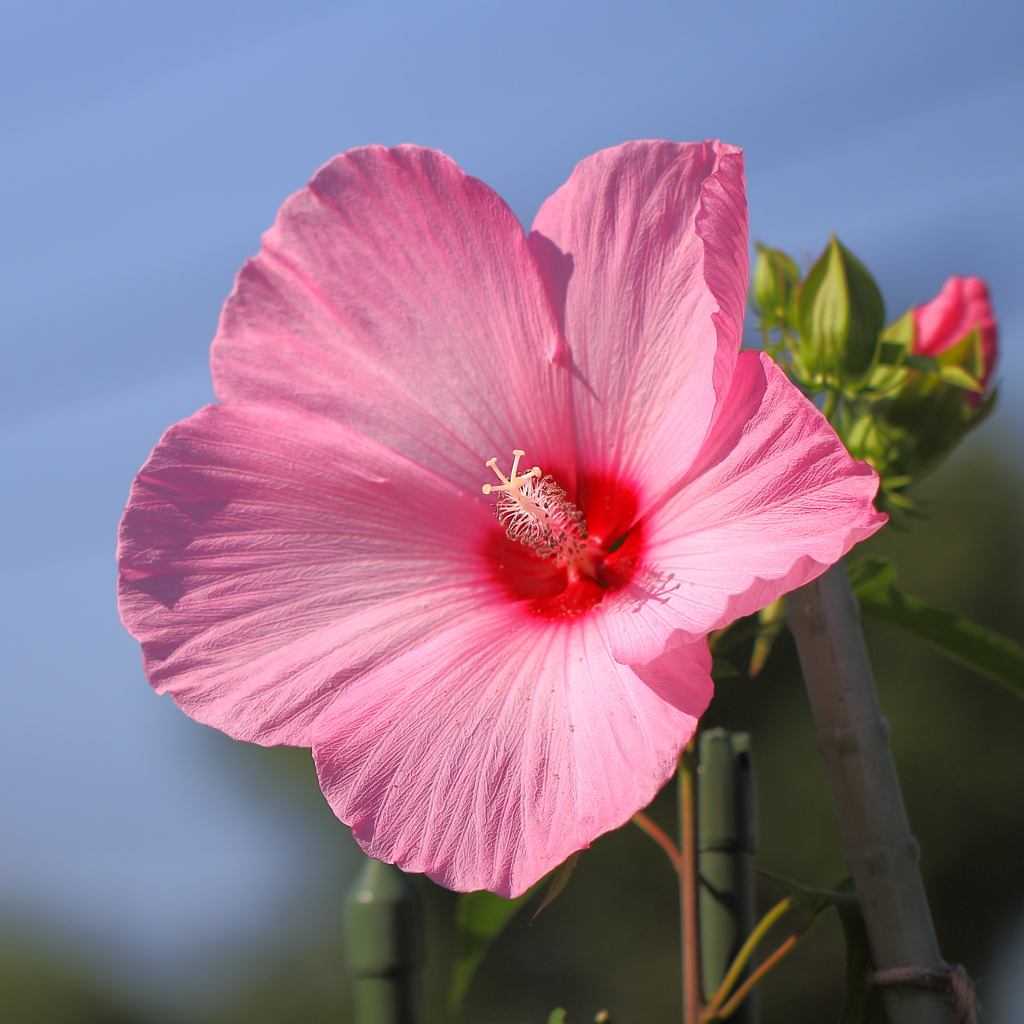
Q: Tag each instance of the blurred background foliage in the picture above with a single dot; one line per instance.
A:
(610, 941)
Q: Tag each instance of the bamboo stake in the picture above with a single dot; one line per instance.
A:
(726, 841)
(692, 1002)
(385, 945)
(853, 739)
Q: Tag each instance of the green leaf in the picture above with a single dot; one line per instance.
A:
(814, 900)
(862, 1004)
(557, 1016)
(874, 582)
(559, 880)
(480, 917)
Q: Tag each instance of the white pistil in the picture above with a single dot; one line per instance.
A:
(535, 511)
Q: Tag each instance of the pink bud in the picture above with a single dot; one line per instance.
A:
(961, 306)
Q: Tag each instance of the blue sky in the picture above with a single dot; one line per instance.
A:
(143, 149)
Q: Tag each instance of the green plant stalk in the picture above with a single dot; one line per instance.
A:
(384, 943)
(688, 888)
(853, 739)
(726, 841)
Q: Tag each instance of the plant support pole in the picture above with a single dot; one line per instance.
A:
(383, 936)
(853, 739)
(689, 933)
(726, 841)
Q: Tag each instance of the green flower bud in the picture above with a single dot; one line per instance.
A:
(840, 314)
(774, 286)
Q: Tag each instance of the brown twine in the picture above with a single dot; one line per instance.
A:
(949, 979)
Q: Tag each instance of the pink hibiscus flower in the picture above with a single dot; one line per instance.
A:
(313, 561)
(958, 309)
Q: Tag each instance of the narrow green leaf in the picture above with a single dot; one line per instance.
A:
(874, 582)
(559, 880)
(862, 1004)
(480, 917)
(814, 900)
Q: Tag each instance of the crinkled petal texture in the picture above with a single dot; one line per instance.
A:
(398, 296)
(645, 251)
(490, 753)
(773, 500)
(268, 557)
(312, 561)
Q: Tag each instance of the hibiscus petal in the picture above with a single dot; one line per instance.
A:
(268, 558)
(772, 501)
(398, 296)
(492, 752)
(645, 252)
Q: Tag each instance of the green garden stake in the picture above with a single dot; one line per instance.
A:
(384, 940)
(726, 841)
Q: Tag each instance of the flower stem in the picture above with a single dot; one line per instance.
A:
(655, 832)
(745, 953)
(853, 738)
(688, 887)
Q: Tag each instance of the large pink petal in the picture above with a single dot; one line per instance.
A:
(772, 501)
(645, 252)
(269, 557)
(398, 296)
(489, 754)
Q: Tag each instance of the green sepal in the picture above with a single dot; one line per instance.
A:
(915, 430)
(873, 580)
(773, 288)
(963, 364)
(840, 314)
(559, 880)
(480, 917)
(900, 333)
(862, 1003)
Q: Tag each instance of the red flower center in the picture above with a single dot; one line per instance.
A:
(561, 554)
